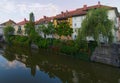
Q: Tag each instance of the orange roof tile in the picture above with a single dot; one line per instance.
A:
(80, 11)
(22, 22)
(44, 20)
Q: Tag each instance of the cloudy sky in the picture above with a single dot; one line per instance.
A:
(17, 10)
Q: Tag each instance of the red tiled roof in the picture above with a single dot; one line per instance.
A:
(80, 11)
(22, 22)
(44, 20)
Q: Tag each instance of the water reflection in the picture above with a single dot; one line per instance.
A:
(61, 69)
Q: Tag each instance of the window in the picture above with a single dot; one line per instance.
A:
(75, 36)
(76, 30)
(75, 24)
(19, 30)
(19, 27)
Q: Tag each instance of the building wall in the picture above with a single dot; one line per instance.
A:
(76, 24)
(77, 21)
(22, 29)
(55, 22)
(112, 16)
(70, 21)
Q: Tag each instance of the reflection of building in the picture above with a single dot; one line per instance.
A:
(68, 70)
(20, 27)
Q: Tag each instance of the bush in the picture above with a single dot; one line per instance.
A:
(69, 47)
(20, 40)
(42, 43)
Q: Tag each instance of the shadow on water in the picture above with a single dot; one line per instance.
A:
(66, 69)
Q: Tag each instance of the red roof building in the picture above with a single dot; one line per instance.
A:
(23, 22)
(44, 20)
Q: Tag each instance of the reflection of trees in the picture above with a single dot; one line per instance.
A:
(67, 69)
(9, 55)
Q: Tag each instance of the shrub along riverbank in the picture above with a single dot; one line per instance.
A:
(67, 47)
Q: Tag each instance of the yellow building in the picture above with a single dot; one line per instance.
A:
(63, 17)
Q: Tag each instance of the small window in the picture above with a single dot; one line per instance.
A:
(75, 24)
(19, 27)
(75, 30)
(75, 36)
(19, 31)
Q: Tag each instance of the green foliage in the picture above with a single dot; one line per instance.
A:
(30, 31)
(19, 31)
(96, 23)
(20, 40)
(42, 43)
(8, 32)
(69, 47)
(31, 16)
(64, 29)
(46, 30)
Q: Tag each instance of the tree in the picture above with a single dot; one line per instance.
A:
(30, 31)
(31, 16)
(50, 29)
(8, 31)
(41, 29)
(95, 24)
(64, 29)
(46, 30)
(30, 28)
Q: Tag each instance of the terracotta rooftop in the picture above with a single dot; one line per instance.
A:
(45, 19)
(22, 22)
(80, 11)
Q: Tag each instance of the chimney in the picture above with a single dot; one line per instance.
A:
(25, 19)
(84, 7)
(99, 4)
(45, 17)
(66, 11)
(62, 12)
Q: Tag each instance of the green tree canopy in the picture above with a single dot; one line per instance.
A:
(30, 31)
(64, 29)
(47, 30)
(8, 31)
(31, 16)
(95, 23)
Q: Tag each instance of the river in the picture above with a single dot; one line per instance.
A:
(22, 65)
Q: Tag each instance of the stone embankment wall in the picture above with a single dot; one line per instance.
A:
(107, 54)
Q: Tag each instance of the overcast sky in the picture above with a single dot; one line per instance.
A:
(17, 10)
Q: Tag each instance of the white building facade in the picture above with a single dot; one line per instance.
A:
(112, 15)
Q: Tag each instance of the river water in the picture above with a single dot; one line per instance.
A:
(22, 65)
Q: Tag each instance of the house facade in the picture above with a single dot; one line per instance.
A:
(43, 22)
(3, 25)
(75, 18)
(7, 23)
(20, 27)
